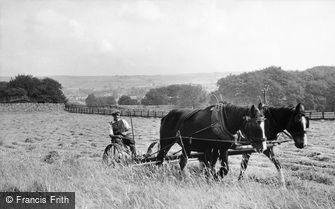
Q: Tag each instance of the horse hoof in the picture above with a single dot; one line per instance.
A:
(223, 172)
(159, 163)
(240, 178)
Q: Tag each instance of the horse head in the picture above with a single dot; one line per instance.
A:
(297, 125)
(254, 128)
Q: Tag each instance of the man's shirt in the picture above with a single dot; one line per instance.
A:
(120, 126)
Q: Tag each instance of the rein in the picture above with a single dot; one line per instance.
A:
(281, 141)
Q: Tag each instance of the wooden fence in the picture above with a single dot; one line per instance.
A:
(159, 114)
(320, 115)
(110, 110)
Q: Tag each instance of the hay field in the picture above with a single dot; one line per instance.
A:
(77, 141)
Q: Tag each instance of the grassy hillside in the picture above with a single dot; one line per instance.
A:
(29, 138)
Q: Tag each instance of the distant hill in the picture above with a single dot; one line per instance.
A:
(77, 88)
(208, 80)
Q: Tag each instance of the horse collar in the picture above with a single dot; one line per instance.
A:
(219, 124)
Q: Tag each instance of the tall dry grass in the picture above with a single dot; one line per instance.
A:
(97, 186)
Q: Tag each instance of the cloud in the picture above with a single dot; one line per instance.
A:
(140, 11)
(106, 46)
(140, 37)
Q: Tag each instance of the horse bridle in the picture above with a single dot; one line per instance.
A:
(297, 133)
(285, 129)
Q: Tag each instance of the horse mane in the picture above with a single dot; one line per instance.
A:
(281, 110)
(244, 110)
(285, 108)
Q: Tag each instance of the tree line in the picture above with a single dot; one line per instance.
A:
(44, 90)
(314, 87)
(93, 100)
(182, 95)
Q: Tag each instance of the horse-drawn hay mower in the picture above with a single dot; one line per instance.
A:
(116, 154)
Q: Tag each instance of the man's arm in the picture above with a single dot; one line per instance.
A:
(111, 132)
(126, 127)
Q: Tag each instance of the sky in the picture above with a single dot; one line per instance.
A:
(141, 37)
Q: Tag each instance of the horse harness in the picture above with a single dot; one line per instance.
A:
(219, 121)
(218, 125)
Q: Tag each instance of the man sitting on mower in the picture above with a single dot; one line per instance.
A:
(120, 132)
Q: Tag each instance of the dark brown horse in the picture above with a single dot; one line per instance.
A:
(196, 130)
(278, 120)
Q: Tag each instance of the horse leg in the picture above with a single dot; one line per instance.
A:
(270, 154)
(204, 160)
(214, 159)
(224, 162)
(164, 149)
(183, 163)
(183, 160)
(244, 164)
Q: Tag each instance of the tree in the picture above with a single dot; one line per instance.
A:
(16, 92)
(183, 95)
(330, 98)
(50, 91)
(27, 82)
(127, 100)
(154, 97)
(191, 96)
(37, 90)
(106, 101)
(91, 100)
(276, 95)
(318, 91)
(3, 90)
